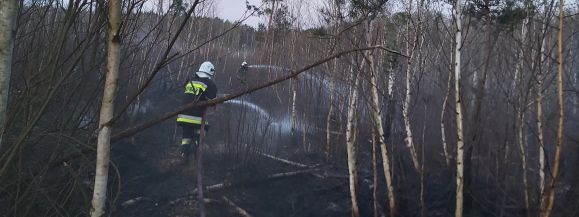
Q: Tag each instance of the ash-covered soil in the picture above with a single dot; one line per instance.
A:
(157, 184)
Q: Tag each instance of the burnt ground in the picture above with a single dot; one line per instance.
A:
(153, 183)
(163, 187)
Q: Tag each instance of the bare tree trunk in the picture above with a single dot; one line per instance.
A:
(576, 85)
(540, 139)
(539, 99)
(442, 129)
(550, 195)
(520, 141)
(459, 117)
(406, 106)
(330, 110)
(294, 115)
(377, 116)
(333, 79)
(107, 108)
(422, 190)
(521, 111)
(8, 9)
(521, 53)
(350, 143)
(271, 16)
(374, 175)
(407, 125)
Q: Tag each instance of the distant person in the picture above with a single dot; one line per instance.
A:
(242, 73)
(200, 87)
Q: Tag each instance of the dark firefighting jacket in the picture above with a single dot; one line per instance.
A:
(196, 90)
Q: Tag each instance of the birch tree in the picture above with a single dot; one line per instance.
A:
(411, 48)
(336, 18)
(377, 120)
(351, 140)
(8, 10)
(520, 118)
(442, 112)
(539, 103)
(107, 108)
(458, 112)
(549, 196)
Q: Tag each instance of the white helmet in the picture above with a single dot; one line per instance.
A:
(206, 70)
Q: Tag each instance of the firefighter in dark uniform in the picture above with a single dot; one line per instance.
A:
(199, 88)
(241, 73)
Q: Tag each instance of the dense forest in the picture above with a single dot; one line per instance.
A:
(375, 108)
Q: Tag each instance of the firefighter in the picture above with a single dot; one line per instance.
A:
(241, 73)
(199, 88)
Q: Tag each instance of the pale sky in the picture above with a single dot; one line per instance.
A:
(233, 10)
(305, 10)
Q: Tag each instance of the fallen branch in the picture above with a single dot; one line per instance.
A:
(283, 160)
(236, 208)
(224, 185)
(289, 174)
(132, 201)
(205, 200)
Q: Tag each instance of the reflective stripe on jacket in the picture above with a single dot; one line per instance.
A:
(189, 119)
(195, 87)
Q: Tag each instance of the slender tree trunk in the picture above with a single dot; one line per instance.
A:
(294, 115)
(576, 85)
(407, 125)
(374, 175)
(520, 110)
(550, 195)
(442, 129)
(271, 16)
(350, 143)
(8, 9)
(479, 83)
(540, 135)
(377, 116)
(459, 117)
(539, 99)
(422, 190)
(330, 111)
(521, 53)
(408, 98)
(107, 108)
(521, 143)
(293, 81)
(333, 75)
